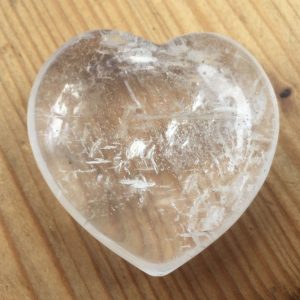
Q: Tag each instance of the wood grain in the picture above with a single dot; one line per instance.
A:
(46, 255)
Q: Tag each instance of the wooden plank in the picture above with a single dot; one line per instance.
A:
(46, 255)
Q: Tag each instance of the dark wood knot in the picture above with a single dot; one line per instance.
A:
(285, 93)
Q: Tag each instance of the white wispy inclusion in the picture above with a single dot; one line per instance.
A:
(131, 94)
(94, 148)
(108, 147)
(60, 107)
(55, 127)
(185, 143)
(224, 89)
(214, 216)
(198, 101)
(137, 183)
(142, 59)
(190, 183)
(98, 161)
(171, 131)
(151, 156)
(136, 149)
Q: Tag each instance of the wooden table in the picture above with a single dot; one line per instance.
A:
(44, 254)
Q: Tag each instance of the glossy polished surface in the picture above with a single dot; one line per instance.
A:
(155, 150)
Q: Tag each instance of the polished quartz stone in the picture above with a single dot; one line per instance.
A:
(156, 150)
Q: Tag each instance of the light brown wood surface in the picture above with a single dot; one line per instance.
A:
(44, 254)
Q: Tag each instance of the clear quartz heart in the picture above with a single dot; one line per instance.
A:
(156, 150)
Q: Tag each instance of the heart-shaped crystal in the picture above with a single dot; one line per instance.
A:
(156, 150)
